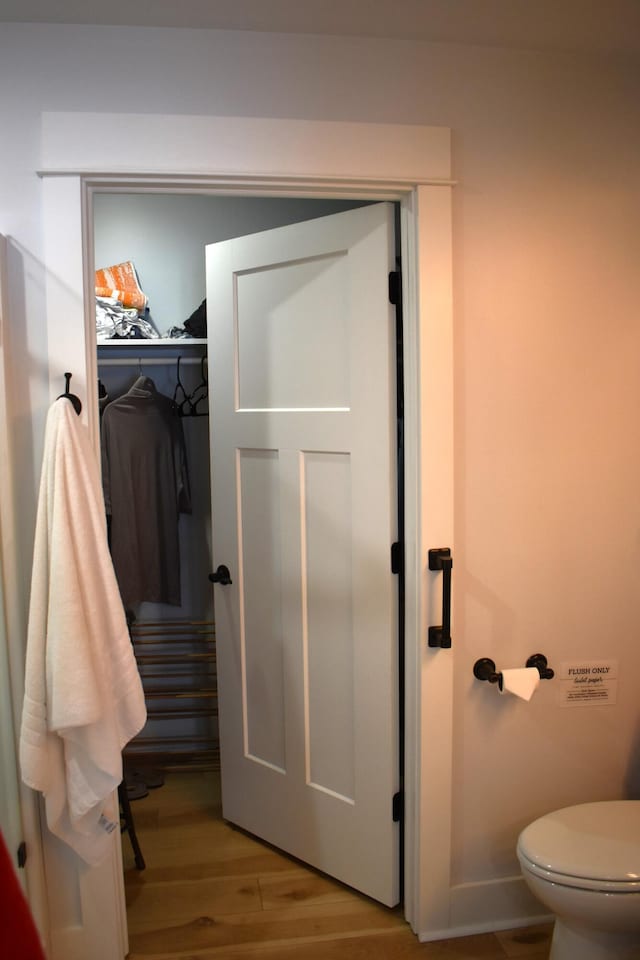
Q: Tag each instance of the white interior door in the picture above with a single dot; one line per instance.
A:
(304, 506)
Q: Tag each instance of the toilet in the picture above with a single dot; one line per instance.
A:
(583, 863)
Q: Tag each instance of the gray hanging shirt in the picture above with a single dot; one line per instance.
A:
(146, 486)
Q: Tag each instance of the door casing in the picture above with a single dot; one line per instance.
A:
(425, 202)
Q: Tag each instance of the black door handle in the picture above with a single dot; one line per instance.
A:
(441, 559)
(221, 576)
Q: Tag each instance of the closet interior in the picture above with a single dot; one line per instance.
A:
(162, 238)
(174, 645)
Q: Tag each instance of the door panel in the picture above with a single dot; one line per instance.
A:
(327, 623)
(303, 489)
(291, 317)
(261, 628)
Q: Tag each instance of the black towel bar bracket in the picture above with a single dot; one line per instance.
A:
(485, 669)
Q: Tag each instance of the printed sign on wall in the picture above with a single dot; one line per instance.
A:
(588, 683)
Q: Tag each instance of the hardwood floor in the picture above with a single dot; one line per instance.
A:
(211, 892)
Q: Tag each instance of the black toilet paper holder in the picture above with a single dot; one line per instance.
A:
(485, 669)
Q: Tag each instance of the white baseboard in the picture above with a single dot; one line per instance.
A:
(487, 906)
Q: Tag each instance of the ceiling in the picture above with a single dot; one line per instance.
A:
(593, 26)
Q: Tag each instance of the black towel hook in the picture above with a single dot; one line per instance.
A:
(77, 405)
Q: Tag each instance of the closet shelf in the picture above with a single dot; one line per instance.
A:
(153, 633)
(154, 642)
(137, 342)
(177, 759)
(152, 353)
(175, 675)
(171, 741)
(176, 660)
(155, 637)
(151, 658)
(197, 626)
(207, 693)
(178, 714)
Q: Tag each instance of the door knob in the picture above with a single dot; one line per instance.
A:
(221, 576)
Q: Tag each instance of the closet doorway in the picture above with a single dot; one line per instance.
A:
(164, 236)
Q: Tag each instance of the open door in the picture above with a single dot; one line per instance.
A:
(304, 494)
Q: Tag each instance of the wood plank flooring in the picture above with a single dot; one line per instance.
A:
(210, 892)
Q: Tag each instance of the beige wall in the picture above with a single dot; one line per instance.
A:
(547, 352)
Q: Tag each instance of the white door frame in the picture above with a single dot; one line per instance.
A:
(312, 159)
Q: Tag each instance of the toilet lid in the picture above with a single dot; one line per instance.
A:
(594, 841)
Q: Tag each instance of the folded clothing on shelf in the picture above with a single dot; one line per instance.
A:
(114, 321)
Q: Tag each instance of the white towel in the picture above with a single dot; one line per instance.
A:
(83, 695)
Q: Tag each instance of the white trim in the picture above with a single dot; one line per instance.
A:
(485, 906)
(90, 336)
(507, 901)
(243, 147)
(81, 901)
(412, 166)
(434, 524)
(142, 181)
(428, 411)
(412, 563)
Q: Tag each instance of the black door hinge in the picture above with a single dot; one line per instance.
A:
(397, 807)
(21, 855)
(397, 557)
(395, 287)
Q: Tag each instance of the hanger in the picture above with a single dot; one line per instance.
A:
(180, 395)
(186, 404)
(201, 392)
(143, 382)
(77, 405)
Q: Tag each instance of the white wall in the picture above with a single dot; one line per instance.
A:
(165, 237)
(547, 352)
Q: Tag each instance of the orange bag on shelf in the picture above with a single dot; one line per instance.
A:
(121, 281)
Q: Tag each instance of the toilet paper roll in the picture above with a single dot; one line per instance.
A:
(521, 682)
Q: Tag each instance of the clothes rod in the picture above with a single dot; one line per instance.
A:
(149, 361)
